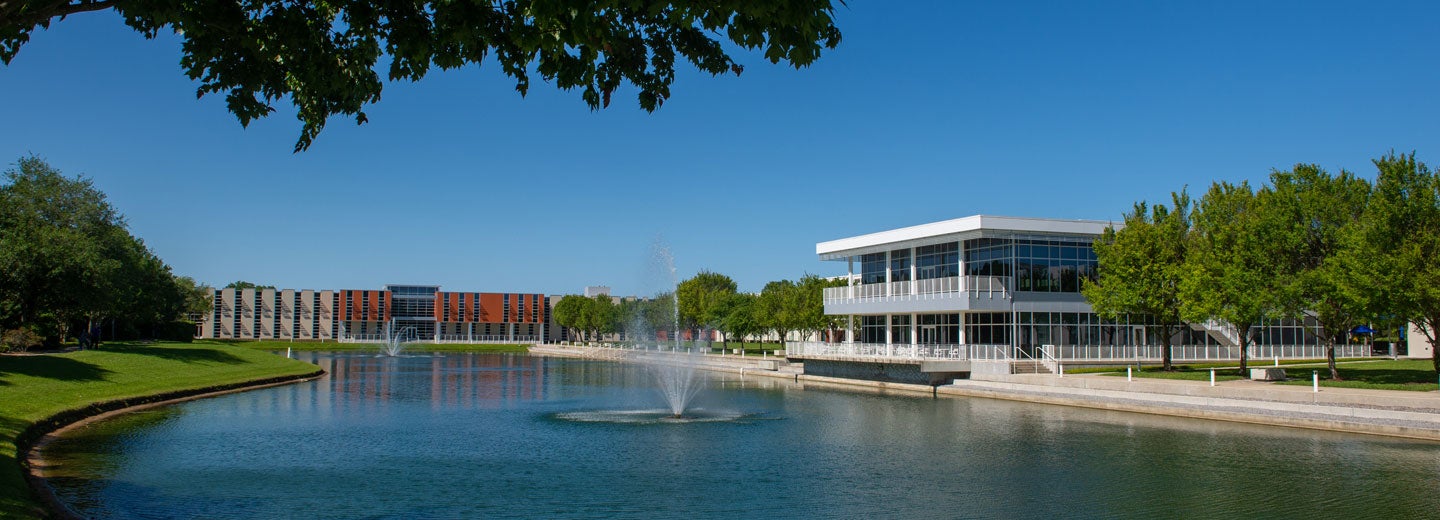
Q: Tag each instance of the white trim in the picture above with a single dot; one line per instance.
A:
(956, 229)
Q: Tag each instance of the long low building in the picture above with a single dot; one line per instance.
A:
(1003, 288)
(354, 315)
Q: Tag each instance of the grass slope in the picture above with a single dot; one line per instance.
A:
(34, 388)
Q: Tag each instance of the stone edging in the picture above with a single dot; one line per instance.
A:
(40, 433)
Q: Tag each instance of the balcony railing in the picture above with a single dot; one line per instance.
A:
(929, 288)
(1066, 353)
(897, 350)
(445, 338)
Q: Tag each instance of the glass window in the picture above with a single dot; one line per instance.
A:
(872, 329)
(900, 328)
(900, 265)
(937, 261)
(872, 268)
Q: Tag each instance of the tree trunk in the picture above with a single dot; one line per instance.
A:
(1330, 359)
(1329, 355)
(1429, 330)
(1166, 363)
(1244, 349)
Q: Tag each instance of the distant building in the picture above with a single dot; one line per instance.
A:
(595, 290)
(363, 315)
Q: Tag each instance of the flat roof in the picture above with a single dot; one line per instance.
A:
(975, 226)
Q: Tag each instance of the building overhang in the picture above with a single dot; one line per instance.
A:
(976, 226)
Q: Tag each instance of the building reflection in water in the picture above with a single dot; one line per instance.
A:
(458, 381)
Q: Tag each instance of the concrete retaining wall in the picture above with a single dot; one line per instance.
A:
(870, 371)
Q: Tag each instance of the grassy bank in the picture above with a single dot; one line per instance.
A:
(1381, 374)
(34, 388)
(331, 346)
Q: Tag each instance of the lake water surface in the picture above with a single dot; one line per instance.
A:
(506, 435)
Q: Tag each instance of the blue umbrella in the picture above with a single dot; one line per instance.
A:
(1363, 329)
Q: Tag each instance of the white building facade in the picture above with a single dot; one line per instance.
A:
(988, 287)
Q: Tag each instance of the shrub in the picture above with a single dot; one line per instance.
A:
(18, 340)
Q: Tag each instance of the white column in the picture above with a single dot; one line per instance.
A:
(962, 328)
(850, 328)
(889, 344)
(914, 329)
(850, 278)
(914, 281)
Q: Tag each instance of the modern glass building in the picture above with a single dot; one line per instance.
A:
(974, 286)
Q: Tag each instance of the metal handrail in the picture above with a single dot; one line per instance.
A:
(1055, 355)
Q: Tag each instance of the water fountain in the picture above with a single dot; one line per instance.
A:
(679, 384)
(676, 375)
(395, 338)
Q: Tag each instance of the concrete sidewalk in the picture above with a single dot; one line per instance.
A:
(1384, 412)
(1237, 389)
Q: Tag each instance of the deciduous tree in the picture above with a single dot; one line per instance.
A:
(777, 308)
(324, 57)
(699, 297)
(1141, 266)
(1398, 244)
(1311, 211)
(1230, 270)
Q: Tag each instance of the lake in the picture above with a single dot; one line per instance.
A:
(518, 436)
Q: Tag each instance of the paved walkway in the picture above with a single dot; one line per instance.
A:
(1382, 412)
(1385, 412)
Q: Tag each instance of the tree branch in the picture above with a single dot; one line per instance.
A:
(26, 15)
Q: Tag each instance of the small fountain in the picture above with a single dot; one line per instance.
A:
(675, 373)
(679, 384)
(395, 339)
(677, 377)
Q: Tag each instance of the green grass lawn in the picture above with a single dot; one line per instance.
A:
(1381, 374)
(1404, 374)
(36, 387)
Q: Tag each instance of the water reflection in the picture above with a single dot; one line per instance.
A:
(465, 435)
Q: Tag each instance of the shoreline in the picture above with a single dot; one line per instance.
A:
(1360, 412)
(29, 445)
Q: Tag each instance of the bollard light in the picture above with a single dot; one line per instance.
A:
(1315, 380)
(1127, 374)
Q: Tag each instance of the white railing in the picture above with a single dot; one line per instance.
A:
(949, 284)
(444, 338)
(502, 339)
(1054, 355)
(929, 288)
(897, 350)
(1224, 329)
(1080, 353)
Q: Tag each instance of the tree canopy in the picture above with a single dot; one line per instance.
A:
(1311, 212)
(591, 316)
(1398, 242)
(67, 260)
(242, 284)
(1141, 266)
(325, 57)
(700, 297)
(1229, 269)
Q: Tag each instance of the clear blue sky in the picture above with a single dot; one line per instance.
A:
(927, 111)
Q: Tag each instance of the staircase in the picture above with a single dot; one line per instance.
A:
(1222, 332)
(1027, 366)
